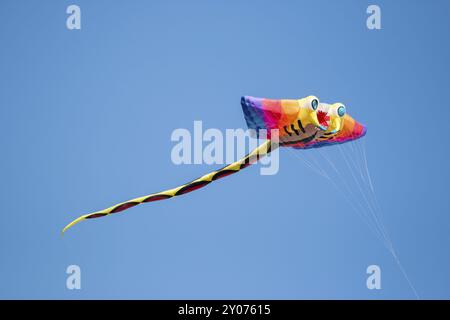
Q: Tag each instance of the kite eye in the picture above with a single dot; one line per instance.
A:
(314, 104)
(341, 111)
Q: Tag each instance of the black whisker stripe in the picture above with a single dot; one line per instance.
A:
(295, 130)
(310, 138)
(286, 130)
(304, 140)
(300, 125)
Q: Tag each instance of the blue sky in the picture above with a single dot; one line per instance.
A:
(87, 117)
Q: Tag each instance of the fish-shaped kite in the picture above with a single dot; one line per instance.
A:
(299, 123)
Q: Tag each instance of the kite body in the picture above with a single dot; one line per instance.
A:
(302, 124)
(327, 127)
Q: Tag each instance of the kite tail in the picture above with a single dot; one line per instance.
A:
(246, 161)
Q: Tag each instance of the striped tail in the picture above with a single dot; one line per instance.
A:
(246, 161)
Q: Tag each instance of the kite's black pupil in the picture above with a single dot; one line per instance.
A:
(314, 104)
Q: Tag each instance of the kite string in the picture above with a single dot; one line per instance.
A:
(360, 212)
(382, 226)
(372, 194)
(320, 170)
(375, 224)
(317, 170)
(364, 197)
(393, 251)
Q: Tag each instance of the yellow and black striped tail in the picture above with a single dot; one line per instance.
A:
(246, 161)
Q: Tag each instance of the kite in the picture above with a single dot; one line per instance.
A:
(299, 123)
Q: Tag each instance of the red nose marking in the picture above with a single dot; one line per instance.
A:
(323, 118)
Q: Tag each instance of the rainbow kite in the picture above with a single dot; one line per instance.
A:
(302, 124)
